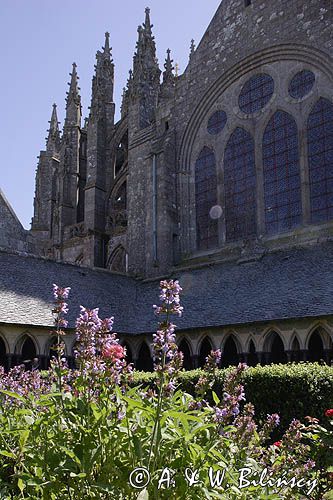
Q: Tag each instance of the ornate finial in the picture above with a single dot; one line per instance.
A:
(147, 26)
(107, 41)
(168, 76)
(176, 70)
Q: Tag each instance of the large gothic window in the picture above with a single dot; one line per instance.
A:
(240, 186)
(282, 184)
(320, 150)
(206, 199)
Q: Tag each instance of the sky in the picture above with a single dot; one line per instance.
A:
(39, 41)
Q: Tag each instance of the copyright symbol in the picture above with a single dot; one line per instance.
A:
(139, 478)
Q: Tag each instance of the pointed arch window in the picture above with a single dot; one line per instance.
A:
(320, 153)
(282, 183)
(240, 186)
(316, 347)
(205, 348)
(230, 353)
(206, 199)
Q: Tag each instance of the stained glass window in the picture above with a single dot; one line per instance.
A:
(301, 84)
(256, 93)
(320, 150)
(205, 199)
(240, 186)
(216, 122)
(282, 184)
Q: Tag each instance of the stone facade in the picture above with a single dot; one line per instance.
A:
(130, 196)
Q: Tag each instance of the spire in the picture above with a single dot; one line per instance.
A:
(103, 80)
(73, 93)
(168, 76)
(145, 64)
(73, 100)
(53, 139)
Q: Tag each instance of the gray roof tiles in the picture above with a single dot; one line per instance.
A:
(285, 284)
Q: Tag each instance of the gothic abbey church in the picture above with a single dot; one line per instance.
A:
(221, 177)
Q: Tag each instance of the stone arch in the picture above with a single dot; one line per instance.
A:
(289, 52)
(185, 348)
(316, 345)
(3, 351)
(274, 345)
(295, 348)
(26, 349)
(144, 361)
(118, 260)
(206, 346)
(252, 357)
(230, 351)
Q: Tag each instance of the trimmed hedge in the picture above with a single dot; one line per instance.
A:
(292, 390)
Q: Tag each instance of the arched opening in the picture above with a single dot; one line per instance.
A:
(229, 353)
(295, 351)
(252, 359)
(240, 186)
(2, 352)
(206, 199)
(205, 348)
(28, 352)
(316, 347)
(320, 154)
(282, 182)
(144, 362)
(129, 355)
(121, 155)
(184, 348)
(277, 354)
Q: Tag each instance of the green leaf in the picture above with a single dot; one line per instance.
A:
(20, 485)
(12, 395)
(215, 398)
(7, 454)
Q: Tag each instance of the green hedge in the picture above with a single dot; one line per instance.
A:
(292, 390)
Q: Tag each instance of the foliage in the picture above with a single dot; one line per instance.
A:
(89, 434)
(292, 390)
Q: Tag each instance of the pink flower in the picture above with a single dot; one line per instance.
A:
(114, 352)
(329, 413)
(278, 444)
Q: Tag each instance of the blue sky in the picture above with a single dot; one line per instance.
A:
(39, 40)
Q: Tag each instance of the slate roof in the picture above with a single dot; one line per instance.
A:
(285, 284)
